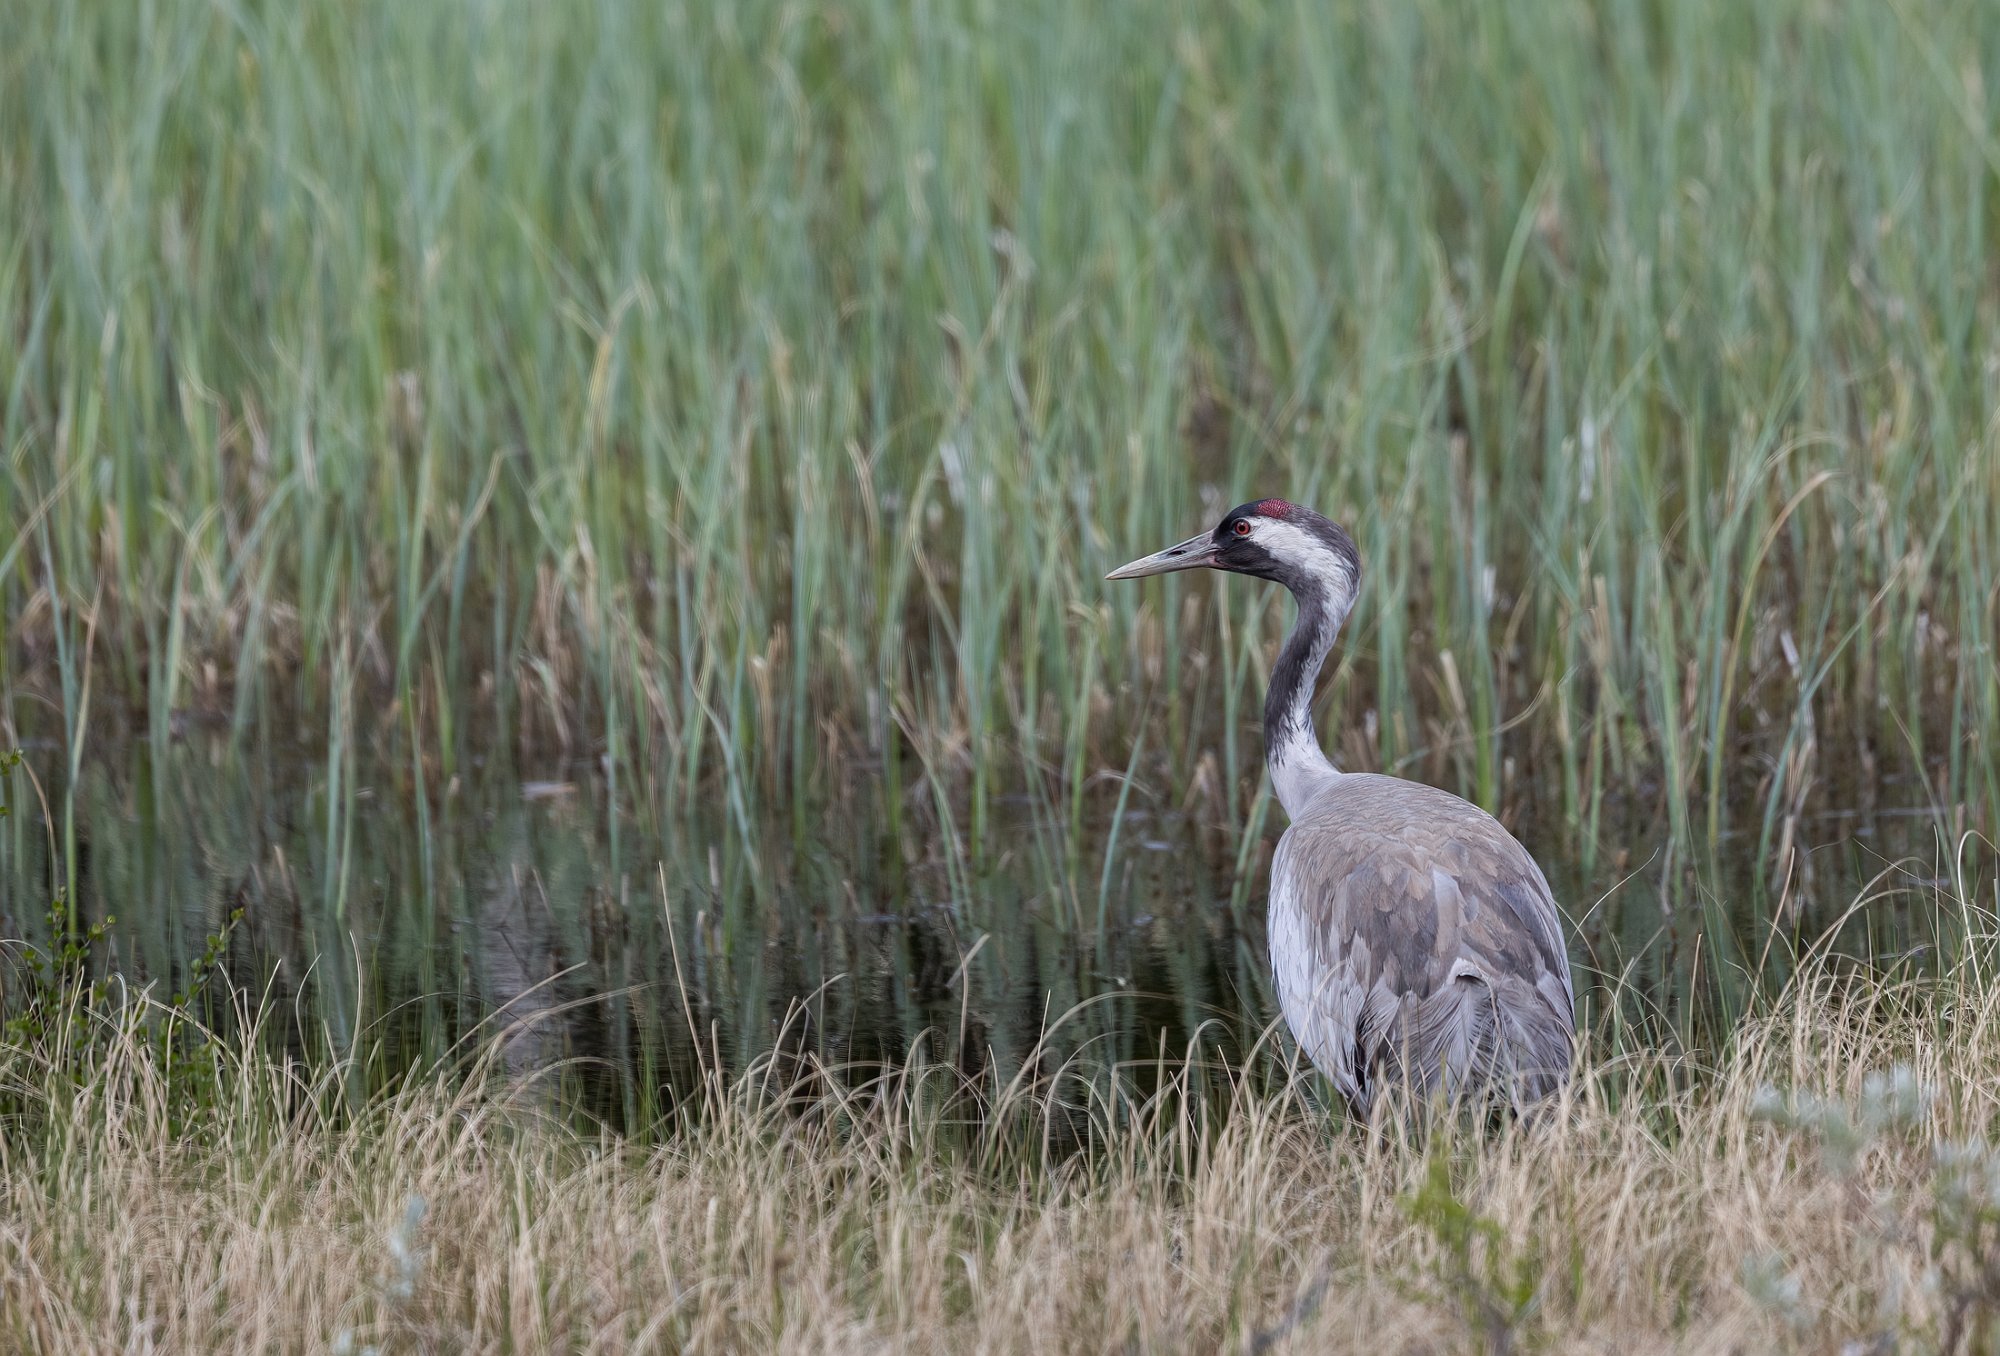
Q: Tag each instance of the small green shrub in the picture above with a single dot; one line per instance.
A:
(1494, 1287)
(64, 1008)
(1951, 1211)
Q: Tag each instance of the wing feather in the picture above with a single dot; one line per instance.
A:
(1414, 940)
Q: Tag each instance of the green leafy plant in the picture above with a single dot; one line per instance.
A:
(56, 988)
(53, 986)
(1495, 1287)
(61, 1006)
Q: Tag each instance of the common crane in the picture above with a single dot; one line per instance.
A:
(1415, 943)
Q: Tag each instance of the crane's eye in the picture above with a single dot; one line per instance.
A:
(1242, 528)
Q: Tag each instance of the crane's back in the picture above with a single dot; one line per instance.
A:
(1415, 942)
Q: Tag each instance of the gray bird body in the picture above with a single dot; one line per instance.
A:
(1414, 943)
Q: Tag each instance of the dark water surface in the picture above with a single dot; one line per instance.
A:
(629, 946)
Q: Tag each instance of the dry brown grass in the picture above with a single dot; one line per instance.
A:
(875, 1221)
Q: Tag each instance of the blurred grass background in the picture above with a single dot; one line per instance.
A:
(743, 403)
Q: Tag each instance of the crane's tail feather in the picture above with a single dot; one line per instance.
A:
(1472, 1041)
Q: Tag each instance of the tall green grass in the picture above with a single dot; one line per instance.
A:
(743, 403)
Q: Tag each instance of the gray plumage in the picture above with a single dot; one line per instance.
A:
(1414, 943)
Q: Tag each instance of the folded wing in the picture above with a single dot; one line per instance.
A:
(1415, 942)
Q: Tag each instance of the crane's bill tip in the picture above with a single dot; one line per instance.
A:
(1191, 554)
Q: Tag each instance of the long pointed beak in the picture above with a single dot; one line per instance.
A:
(1191, 554)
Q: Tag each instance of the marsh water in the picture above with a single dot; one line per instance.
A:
(560, 908)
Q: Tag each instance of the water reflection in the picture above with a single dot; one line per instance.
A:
(614, 944)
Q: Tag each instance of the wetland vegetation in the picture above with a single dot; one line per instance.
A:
(584, 526)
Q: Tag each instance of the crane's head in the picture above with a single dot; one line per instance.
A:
(1272, 539)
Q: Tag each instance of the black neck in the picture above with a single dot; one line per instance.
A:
(1291, 746)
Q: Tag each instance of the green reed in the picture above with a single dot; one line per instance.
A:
(745, 402)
